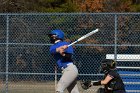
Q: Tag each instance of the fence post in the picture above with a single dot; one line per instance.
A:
(115, 47)
(7, 51)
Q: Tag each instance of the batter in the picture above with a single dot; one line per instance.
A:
(63, 56)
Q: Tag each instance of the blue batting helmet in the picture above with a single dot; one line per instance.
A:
(59, 33)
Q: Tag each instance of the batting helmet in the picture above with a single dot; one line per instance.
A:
(108, 64)
(59, 34)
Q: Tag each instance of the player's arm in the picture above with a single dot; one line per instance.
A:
(106, 80)
(103, 82)
(62, 49)
(87, 84)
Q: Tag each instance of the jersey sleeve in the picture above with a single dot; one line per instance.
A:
(69, 50)
(53, 50)
(113, 74)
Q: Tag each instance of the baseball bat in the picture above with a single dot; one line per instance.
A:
(83, 37)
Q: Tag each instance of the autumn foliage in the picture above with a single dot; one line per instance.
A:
(107, 5)
(90, 6)
(69, 6)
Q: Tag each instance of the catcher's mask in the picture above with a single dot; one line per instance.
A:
(56, 35)
(107, 65)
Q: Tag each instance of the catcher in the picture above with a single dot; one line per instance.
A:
(112, 81)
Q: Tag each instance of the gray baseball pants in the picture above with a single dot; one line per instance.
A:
(68, 80)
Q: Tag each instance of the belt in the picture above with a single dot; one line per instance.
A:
(65, 66)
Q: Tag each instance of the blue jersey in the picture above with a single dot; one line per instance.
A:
(57, 56)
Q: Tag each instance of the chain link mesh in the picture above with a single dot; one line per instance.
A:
(27, 66)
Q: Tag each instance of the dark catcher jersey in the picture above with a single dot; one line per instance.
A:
(116, 83)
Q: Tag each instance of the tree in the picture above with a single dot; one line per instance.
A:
(117, 5)
(90, 5)
(108, 5)
(37, 6)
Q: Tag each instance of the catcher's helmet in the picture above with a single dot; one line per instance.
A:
(108, 64)
(59, 34)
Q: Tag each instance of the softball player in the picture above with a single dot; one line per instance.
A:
(63, 56)
(112, 81)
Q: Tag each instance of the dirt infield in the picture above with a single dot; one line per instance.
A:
(37, 87)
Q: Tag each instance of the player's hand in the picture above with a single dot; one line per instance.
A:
(62, 49)
(85, 84)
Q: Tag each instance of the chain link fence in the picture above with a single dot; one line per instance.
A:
(26, 65)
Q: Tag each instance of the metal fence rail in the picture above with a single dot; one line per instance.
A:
(27, 66)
